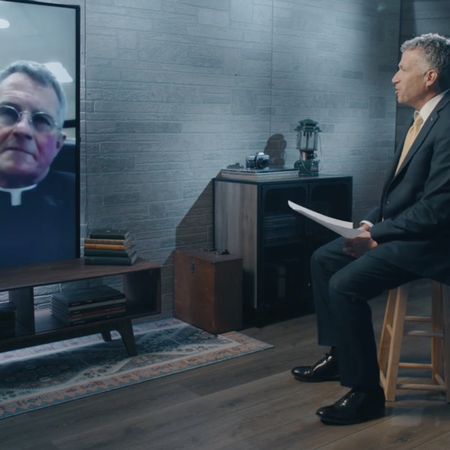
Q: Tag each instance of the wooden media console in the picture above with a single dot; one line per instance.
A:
(141, 286)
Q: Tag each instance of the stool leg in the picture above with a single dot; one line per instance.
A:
(436, 324)
(446, 328)
(396, 342)
(385, 341)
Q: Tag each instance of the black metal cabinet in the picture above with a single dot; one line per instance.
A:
(252, 219)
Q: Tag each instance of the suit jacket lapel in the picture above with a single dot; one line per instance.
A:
(398, 152)
(390, 176)
(427, 126)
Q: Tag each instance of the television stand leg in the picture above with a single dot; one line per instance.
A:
(126, 331)
(106, 335)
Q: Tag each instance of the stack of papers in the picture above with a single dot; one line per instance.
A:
(341, 227)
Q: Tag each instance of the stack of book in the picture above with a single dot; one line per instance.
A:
(109, 246)
(7, 320)
(88, 305)
(272, 174)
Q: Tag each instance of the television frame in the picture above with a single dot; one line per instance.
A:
(68, 123)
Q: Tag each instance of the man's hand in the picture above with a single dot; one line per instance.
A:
(360, 244)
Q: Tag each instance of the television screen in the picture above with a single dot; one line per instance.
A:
(39, 132)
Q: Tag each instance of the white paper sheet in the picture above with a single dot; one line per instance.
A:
(341, 227)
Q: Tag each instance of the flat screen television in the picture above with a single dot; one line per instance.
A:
(39, 132)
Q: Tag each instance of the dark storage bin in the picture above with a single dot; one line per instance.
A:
(208, 290)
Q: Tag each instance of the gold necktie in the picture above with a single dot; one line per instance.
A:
(410, 138)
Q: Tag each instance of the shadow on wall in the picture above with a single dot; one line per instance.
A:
(195, 231)
(276, 149)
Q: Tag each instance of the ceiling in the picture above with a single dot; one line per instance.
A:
(42, 33)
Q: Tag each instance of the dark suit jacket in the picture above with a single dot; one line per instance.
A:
(44, 227)
(415, 203)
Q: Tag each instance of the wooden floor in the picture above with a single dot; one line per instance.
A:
(251, 402)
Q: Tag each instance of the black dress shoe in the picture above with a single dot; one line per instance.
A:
(359, 405)
(326, 369)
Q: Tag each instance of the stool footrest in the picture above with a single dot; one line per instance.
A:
(417, 319)
(420, 333)
(430, 387)
(406, 365)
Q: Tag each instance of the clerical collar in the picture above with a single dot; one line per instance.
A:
(16, 194)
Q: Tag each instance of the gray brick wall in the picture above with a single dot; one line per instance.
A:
(332, 62)
(176, 90)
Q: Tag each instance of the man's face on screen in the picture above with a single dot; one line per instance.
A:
(29, 136)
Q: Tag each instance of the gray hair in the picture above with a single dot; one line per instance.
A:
(435, 55)
(40, 74)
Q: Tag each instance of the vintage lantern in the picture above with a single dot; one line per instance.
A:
(307, 143)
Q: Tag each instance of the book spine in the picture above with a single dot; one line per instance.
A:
(93, 301)
(101, 235)
(102, 252)
(84, 321)
(90, 315)
(93, 260)
(102, 313)
(106, 246)
(106, 241)
(87, 308)
(97, 319)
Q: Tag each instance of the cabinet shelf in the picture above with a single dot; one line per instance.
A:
(254, 221)
(141, 285)
(280, 242)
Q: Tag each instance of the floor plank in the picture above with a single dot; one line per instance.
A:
(440, 443)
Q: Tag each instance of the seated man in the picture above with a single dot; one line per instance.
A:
(37, 206)
(407, 237)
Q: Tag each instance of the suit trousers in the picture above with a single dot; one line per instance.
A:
(342, 286)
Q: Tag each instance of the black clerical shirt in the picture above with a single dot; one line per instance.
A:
(43, 227)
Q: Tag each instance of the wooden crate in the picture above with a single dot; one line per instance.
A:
(208, 290)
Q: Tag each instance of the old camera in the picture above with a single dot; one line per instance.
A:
(259, 161)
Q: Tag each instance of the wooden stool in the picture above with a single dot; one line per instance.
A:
(392, 335)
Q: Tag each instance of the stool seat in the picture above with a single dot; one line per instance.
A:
(393, 332)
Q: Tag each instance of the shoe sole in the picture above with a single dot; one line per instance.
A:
(379, 415)
(315, 380)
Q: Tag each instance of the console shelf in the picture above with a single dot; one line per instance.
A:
(252, 219)
(141, 285)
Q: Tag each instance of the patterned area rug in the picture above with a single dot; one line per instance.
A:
(46, 375)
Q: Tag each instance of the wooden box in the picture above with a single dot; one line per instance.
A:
(208, 290)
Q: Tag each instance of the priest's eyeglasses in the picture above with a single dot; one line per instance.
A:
(40, 122)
